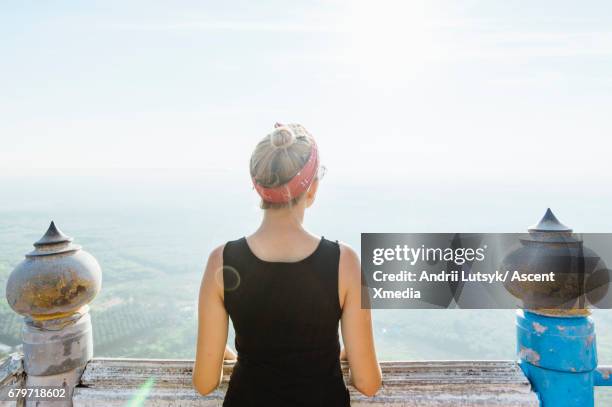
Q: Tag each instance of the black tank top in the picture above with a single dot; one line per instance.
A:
(285, 316)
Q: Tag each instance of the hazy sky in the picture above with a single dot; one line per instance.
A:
(396, 89)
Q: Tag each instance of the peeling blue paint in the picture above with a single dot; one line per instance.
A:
(559, 357)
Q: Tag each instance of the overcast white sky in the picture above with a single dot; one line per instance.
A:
(395, 89)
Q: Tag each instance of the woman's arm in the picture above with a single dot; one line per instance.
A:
(212, 327)
(356, 324)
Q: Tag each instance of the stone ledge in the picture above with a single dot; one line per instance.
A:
(407, 384)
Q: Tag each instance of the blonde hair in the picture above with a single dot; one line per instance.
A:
(278, 157)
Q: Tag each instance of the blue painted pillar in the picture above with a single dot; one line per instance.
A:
(556, 348)
(559, 357)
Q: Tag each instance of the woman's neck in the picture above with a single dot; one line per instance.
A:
(283, 220)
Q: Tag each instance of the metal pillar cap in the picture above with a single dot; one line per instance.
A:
(549, 223)
(581, 276)
(54, 241)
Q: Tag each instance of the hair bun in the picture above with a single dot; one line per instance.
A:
(282, 137)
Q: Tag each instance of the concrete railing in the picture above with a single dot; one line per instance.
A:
(167, 383)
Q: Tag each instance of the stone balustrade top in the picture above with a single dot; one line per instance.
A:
(112, 382)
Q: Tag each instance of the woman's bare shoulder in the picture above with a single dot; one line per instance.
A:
(214, 265)
(215, 258)
(350, 266)
(217, 253)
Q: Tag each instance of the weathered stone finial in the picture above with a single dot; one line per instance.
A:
(551, 247)
(52, 288)
(55, 280)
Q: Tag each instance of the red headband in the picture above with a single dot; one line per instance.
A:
(296, 185)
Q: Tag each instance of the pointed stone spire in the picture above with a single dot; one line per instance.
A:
(549, 223)
(53, 236)
(54, 241)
